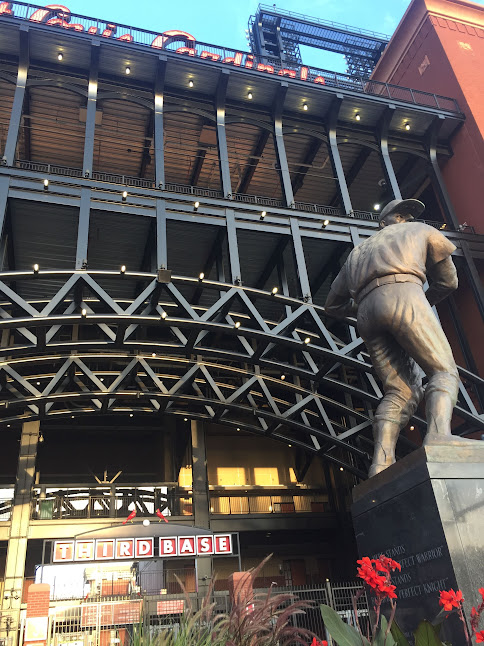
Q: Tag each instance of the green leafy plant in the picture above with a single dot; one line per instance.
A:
(377, 573)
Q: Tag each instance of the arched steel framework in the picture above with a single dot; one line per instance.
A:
(244, 358)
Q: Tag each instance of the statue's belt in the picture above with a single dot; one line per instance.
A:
(386, 280)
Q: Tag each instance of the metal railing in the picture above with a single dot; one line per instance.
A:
(236, 503)
(5, 508)
(198, 191)
(248, 61)
(109, 503)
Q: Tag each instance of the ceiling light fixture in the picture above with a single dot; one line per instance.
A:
(250, 96)
(123, 269)
(307, 340)
(275, 290)
(305, 106)
(407, 126)
(357, 116)
(376, 207)
(128, 69)
(60, 56)
(124, 195)
(190, 83)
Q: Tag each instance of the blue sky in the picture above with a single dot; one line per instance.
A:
(223, 22)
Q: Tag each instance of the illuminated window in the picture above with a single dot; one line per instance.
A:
(292, 475)
(266, 476)
(230, 476)
(185, 477)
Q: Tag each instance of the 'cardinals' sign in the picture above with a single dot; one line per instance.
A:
(111, 549)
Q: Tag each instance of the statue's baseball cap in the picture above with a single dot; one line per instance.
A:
(414, 208)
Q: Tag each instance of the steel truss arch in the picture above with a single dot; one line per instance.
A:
(239, 356)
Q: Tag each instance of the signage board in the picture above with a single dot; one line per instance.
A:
(112, 549)
(110, 613)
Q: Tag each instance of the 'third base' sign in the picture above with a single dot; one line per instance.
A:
(141, 548)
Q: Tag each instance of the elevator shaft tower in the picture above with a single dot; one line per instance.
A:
(277, 33)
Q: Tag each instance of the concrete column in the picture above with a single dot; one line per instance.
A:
(91, 111)
(19, 528)
(201, 502)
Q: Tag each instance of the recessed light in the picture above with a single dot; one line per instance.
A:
(201, 276)
(36, 268)
(357, 116)
(124, 195)
(283, 377)
(237, 324)
(196, 205)
(60, 56)
(84, 313)
(190, 83)
(123, 269)
(164, 315)
(275, 290)
(185, 419)
(128, 70)
(376, 207)
(305, 106)
(249, 95)
(46, 184)
(325, 223)
(407, 126)
(307, 340)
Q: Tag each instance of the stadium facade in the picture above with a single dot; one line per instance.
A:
(173, 213)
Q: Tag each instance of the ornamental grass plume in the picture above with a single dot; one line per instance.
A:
(253, 620)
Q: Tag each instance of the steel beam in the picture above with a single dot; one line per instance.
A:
(83, 229)
(234, 260)
(383, 129)
(223, 155)
(332, 121)
(19, 532)
(277, 110)
(352, 174)
(91, 110)
(309, 158)
(213, 257)
(159, 137)
(161, 240)
(18, 99)
(272, 263)
(4, 186)
(451, 217)
(300, 260)
(257, 151)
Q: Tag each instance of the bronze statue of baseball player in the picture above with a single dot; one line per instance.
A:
(381, 283)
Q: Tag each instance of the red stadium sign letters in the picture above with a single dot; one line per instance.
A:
(141, 548)
(58, 15)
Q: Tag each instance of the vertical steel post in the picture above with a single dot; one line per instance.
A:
(4, 187)
(384, 128)
(19, 527)
(83, 228)
(234, 260)
(91, 111)
(444, 198)
(161, 241)
(299, 260)
(332, 123)
(158, 127)
(201, 503)
(18, 99)
(277, 110)
(223, 155)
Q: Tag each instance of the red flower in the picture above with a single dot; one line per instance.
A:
(450, 599)
(386, 564)
(481, 592)
(321, 643)
(480, 637)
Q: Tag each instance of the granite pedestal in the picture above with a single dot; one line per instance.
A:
(427, 512)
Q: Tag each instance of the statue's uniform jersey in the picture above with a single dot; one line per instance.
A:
(395, 318)
(404, 248)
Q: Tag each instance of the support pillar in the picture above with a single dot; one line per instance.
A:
(223, 155)
(161, 241)
(18, 99)
(83, 228)
(91, 111)
(425, 512)
(387, 162)
(300, 261)
(277, 110)
(201, 501)
(19, 528)
(234, 260)
(335, 156)
(158, 128)
(4, 187)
